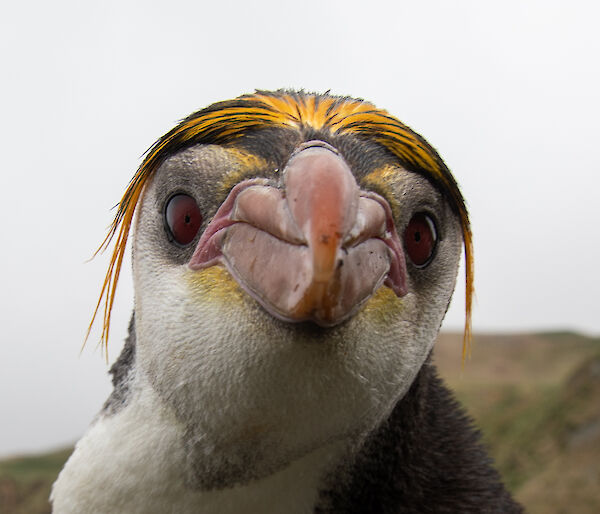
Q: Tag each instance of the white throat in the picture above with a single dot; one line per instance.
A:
(134, 462)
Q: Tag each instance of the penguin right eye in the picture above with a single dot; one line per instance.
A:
(182, 219)
(420, 239)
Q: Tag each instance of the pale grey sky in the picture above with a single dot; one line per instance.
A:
(506, 91)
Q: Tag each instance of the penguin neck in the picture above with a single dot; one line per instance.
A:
(293, 489)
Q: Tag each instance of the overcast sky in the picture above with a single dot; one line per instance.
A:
(506, 91)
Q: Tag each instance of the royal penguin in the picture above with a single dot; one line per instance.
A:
(294, 255)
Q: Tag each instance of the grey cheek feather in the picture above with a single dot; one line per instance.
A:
(198, 171)
(122, 374)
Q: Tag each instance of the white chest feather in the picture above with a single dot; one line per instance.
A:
(135, 462)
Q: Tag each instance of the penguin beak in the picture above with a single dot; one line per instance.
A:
(323, 199)
(314, 248)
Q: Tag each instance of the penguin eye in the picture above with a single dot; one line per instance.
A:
(182, 219)
(420, 239)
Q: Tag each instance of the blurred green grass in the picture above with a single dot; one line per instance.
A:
(25, 482)
(536, 398)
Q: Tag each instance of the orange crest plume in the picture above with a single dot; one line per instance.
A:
(224, 122)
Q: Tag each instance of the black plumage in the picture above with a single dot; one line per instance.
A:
(426, 458)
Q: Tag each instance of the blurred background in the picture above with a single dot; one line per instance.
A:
(506, 91)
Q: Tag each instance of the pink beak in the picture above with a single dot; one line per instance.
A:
(315, 248)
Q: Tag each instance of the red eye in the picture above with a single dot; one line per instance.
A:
(183, 219)
(420, 238)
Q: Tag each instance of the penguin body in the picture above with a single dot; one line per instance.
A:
(292, 264)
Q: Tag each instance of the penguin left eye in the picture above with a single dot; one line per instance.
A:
(182, 219)
(420, 239)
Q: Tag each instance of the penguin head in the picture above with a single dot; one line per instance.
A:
(291, 269)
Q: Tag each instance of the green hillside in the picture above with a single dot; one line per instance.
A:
(535, 396)
(25, 482)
